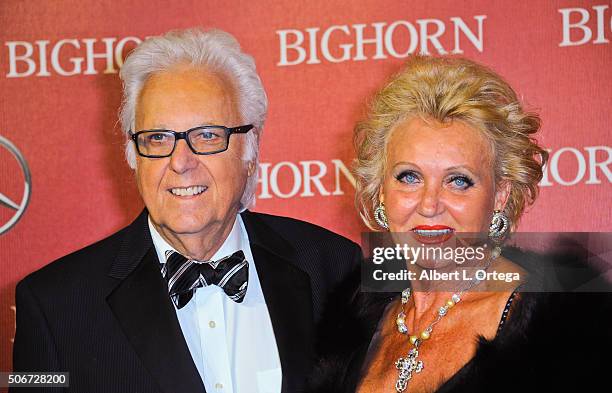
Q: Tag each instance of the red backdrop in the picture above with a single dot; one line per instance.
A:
(319, 61)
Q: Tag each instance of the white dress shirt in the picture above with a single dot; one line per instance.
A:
(232, 344)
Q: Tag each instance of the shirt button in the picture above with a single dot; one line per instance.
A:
(218, 385)
(212, 324)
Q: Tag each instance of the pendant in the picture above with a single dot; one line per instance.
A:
(406, 366)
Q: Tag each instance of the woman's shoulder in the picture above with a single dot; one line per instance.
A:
(561, 269)
(550, 342)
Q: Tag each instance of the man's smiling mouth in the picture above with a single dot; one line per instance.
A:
(188, 191)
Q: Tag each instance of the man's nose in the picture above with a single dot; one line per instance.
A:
(182, 158)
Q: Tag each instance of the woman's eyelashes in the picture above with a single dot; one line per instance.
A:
(461, 182)
(408, 177)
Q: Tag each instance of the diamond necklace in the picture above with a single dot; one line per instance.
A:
(410, 363)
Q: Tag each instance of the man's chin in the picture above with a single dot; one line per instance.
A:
(184, 226)
(186, 229)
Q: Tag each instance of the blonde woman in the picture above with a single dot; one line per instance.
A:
(446, 149)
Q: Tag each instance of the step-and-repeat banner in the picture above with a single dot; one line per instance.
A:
(64, 182)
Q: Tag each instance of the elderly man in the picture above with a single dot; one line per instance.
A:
(197, 294)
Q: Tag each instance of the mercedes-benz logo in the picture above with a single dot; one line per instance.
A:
(5, 201)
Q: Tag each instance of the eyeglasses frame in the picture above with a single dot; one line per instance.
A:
(183, 135)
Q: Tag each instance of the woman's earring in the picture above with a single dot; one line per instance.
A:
(381, 216)
(500, 225)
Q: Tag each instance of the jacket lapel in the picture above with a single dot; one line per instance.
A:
(146, 315)
(288, 295)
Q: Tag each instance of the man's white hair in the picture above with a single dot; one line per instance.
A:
(214, 50)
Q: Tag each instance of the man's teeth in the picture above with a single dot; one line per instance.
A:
(188, 191)
(432, 232)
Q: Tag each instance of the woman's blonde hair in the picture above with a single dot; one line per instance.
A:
(446, 89)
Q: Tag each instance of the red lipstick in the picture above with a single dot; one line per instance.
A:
(432, 234)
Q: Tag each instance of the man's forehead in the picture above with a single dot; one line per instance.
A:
(186, 90)
(186, 78)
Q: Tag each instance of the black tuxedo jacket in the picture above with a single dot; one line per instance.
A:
(103, 313)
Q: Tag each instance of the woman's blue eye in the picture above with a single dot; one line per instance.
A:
(408, 177)
(462, 182)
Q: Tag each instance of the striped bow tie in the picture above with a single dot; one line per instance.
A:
(184, 276)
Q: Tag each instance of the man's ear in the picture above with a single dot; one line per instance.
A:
(502, 194)
(250, 168)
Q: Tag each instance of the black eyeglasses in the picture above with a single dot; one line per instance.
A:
(201, 140)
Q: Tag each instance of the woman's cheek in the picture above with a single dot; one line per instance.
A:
(400, 210)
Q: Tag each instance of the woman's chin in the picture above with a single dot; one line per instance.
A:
(430, 264)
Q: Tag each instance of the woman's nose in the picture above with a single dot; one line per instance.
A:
(430, 204)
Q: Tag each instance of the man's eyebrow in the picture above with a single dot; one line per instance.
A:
(162, 126)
